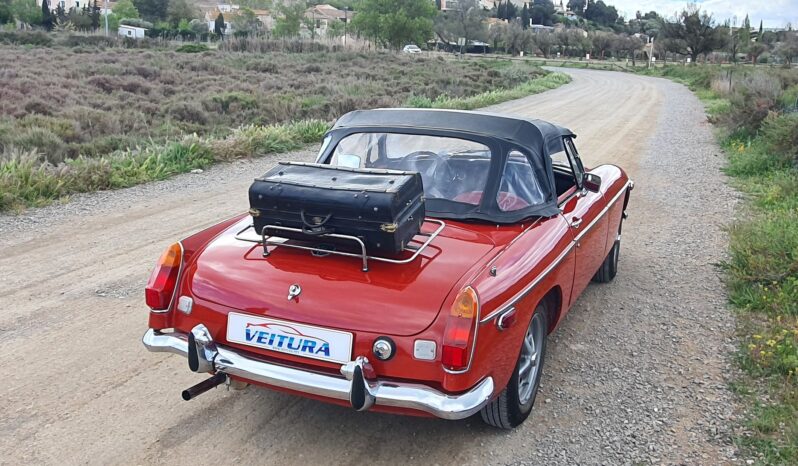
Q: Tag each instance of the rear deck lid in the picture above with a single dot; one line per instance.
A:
(393, 299)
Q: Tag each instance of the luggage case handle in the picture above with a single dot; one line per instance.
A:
(315, 229)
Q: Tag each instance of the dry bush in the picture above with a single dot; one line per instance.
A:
(117, 97)
(753, 97)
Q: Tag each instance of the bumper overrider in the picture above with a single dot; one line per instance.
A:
(206, 356)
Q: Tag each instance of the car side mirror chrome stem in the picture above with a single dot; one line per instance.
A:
(591, 182)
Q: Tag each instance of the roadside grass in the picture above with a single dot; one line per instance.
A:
(762, 268)
(534, 86)
(28, 179)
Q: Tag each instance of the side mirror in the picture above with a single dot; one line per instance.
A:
(591, 182)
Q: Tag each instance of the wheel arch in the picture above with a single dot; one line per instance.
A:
(553, 302)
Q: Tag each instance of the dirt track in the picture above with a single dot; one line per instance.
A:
(634, 375)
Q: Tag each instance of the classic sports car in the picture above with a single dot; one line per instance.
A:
(515, 229)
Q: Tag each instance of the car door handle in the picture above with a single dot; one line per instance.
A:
(575, 222)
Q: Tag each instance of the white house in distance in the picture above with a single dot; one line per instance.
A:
(133, 32)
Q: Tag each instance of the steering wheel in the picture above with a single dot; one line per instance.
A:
(430, 171)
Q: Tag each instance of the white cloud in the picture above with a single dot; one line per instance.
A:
(773, 13)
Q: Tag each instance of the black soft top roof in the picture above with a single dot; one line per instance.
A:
(538, 139)
(523, 131)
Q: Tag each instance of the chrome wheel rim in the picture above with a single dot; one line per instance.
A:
(529, 362)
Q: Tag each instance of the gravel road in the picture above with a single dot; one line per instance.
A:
(636, 374)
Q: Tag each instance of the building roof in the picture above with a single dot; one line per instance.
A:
(325, 11)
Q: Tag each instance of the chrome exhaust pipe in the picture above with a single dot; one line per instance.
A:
(202, 387)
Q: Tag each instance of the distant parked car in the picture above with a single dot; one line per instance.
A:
(411, 48)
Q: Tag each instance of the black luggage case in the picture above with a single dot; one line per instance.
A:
(384, 208)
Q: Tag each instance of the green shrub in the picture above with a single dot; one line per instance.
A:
(51, 147)
(780, 136)
(754, 96)
(789, 99)
(192, 48)
(75, 40)
(234, 99)
(189, 112)
(36, 38)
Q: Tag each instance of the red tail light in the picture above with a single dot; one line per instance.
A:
(163, 279)
(458, 337)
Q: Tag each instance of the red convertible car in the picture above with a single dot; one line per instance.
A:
(456, 323)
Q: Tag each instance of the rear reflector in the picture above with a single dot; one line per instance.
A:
(163, 280)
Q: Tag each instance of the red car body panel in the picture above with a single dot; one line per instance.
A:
(542, 258)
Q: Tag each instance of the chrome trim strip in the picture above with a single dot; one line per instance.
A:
(512, 301)
(601, 214)
(386, 393)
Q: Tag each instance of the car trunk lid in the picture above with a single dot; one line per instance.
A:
(395, 299)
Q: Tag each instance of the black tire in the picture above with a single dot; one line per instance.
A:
(507, 411)
(609, 268)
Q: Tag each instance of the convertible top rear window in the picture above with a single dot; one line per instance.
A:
(471, 163)
(452, 169)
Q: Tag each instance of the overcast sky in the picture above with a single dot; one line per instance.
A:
(774, 13)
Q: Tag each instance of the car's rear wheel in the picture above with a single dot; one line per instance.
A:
(515, 402)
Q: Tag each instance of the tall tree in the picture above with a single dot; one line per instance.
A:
(516, 39)
(465, 21)
(5, 12)
(787, 49)
(761, 30)
(525, 16)
(152, 10)
(26, 11)
(394, 23)
(218, 25)
(542, 12)
(602, 41)
(125, 9)
(95, 16)
(246, 22)
(181, 10)
(733, 43)
(755, 50)
(544, 41)
(745, 33)
(601, 13)
(577, 6)
(289, 20)
(47, 16)
(506, 10)
(694, 31)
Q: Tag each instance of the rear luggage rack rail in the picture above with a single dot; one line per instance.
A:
(267, 241)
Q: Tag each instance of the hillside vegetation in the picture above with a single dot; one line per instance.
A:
(75, 122)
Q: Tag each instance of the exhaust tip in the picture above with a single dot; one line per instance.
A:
(204, 386)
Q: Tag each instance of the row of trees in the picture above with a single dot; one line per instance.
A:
(394, 23)
(163, 14)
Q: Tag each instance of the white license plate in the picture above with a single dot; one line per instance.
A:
(288, 337)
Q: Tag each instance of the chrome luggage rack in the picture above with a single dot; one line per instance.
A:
(267, 241)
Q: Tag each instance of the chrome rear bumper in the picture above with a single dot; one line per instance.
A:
(206, 356)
